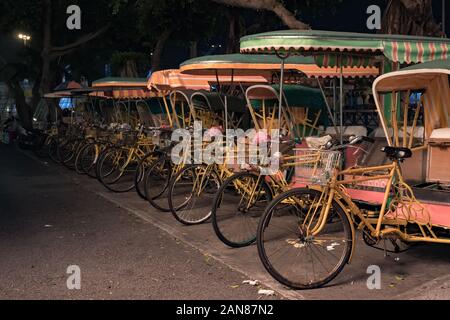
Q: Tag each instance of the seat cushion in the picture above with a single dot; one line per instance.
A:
(441, 134)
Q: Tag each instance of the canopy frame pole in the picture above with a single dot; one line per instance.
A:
(283, 58)
(166, 106)
(333, 121)
(230, 89)
(226, 113)
(219, 87)
(71, 111)
(341, 102)
(334, 100)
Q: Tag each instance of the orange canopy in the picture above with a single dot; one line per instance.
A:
(173, 79)
(123, 88)
(126, 94)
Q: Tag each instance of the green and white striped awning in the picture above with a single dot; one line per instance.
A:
(352, 48)
(344, 59)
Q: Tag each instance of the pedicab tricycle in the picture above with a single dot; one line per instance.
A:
(307, 235)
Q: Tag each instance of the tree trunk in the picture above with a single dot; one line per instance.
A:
(23, 109)
(129, 70)
(36, 97)
(413, 17)
(46, 48)
(159, 49)
(193, 49)
(234, 31)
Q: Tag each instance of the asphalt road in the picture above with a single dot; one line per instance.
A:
(48, 223)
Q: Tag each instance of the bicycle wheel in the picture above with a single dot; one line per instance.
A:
(156, 184)
(87, 158)
(191, 193)
(288, 249)
(53, 150)
(78, 145)
(237, 208)
(63, 150)
(67, 152)
(144, 164)
(116, 170)
(102, 154)
(78, 158)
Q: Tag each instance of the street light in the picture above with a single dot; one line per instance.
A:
(24, 37)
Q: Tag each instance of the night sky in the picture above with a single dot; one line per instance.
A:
(350, 16)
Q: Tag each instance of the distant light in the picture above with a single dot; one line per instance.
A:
(34, 119)
(24, 36)
(65, 103)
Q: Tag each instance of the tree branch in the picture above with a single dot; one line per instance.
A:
(275, 6)
(63, 50)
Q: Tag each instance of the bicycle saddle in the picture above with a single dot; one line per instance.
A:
(397, 153)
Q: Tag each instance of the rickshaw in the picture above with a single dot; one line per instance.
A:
(111, 120)
(115, 166)
(297, 120)
(46, 120)
(191, 107)
(151, 178)
(192, 189)
(307, 235)
(65, 138)
(240, 201)
(191, 101)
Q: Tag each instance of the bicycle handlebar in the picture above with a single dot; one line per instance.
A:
(357, 139)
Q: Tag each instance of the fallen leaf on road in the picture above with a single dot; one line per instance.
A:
(207, 259)
(399, 278)
(251, 282)
(266, 292)
(392, 285)
(234, 286)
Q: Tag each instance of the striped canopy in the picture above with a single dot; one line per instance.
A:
(123, 88)
(264, 65)
(168, 80)
(133, 94)
(327, 60)
(403, 49)
(120, 82)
